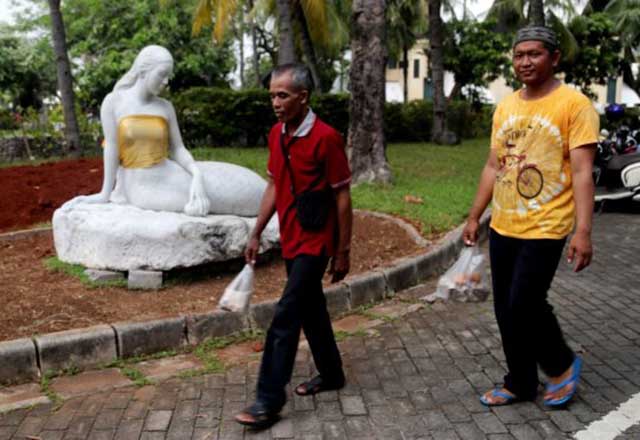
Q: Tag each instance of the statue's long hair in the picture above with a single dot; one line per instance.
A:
(148, 58)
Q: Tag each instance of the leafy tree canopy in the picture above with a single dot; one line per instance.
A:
(27, 74)
(598, 57)
(104, 38)
(475, 53)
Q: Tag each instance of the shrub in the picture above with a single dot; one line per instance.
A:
(214, 117)
(7, 120)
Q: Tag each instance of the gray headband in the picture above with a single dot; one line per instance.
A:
(536, 33)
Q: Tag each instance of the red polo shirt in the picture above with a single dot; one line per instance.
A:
(315, 148)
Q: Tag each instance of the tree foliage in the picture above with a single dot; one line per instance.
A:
(625, 14)
(104, 38)
(27, 72)
(474, 53)
(598, 57)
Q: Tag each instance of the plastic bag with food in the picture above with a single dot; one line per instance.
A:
(464, 281)
(238, 293)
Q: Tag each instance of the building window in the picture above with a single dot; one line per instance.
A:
(392, 63)
(416, 68)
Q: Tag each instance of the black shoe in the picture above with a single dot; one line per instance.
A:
(318, 385)
(263, 417)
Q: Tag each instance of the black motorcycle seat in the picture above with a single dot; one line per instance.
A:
(617, 163)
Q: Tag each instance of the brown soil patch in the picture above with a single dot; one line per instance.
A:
(36, 300)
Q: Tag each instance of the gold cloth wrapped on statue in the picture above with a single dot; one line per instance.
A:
(143, 140)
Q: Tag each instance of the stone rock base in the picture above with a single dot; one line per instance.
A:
(123, 237)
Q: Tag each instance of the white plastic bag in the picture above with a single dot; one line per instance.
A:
(464, 281)
(238, 293)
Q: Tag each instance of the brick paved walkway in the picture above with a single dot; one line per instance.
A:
(418, 377)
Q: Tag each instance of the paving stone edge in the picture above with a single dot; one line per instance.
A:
(27, 358)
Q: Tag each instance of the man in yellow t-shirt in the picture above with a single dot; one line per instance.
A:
(538, 176)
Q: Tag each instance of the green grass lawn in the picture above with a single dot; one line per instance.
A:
(444, 177)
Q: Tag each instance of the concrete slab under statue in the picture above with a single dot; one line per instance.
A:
(158, 208)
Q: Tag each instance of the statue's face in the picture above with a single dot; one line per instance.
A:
(288, 102)
(157, 78)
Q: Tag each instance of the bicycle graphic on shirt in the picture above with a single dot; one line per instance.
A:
(529, 181)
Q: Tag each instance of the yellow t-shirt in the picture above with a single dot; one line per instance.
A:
(533, 194)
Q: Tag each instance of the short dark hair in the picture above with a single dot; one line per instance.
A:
(300, 74)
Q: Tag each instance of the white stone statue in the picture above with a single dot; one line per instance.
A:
(146, 160)
(160, 196)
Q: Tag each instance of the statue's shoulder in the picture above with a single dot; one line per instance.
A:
(164, 102)
(108, 107)
(167, 107)
(109, 99)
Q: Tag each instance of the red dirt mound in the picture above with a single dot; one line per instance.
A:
(30, 194)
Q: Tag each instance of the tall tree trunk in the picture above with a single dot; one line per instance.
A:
(65, 81)
(536, 13)
(287, 49)
(366, 142)
(241, 38)
(307, 46)
(405, 72)
(255, 57)
(439, 130)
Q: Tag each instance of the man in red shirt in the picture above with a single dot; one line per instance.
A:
(305, 154)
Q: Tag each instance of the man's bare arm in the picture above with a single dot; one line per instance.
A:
(482, 199)
(267, 208)
(580, 249)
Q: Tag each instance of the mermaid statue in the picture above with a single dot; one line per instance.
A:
(145, 161)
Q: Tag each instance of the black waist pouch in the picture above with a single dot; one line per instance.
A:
(312, 208)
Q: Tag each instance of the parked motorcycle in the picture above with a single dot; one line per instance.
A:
(616, 168)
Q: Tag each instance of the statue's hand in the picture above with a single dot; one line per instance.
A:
(198, 205)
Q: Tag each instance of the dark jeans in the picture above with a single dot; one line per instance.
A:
(522, 271)
(302, 305)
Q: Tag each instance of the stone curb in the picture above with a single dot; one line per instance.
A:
(18, 361)
(24, 360)
(76, 349)
(137, 338)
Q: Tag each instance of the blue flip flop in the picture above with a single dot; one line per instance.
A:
(571, 380)
(509, 398)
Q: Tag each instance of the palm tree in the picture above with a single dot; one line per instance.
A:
(307, 43)
(626, 16)
(439, 132)
(536, 12)
(287, 46)
(406, 21)
(65, 81)
(317, 22)
(513, 14)
(366, 142)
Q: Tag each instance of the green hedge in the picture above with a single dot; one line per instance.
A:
(412, 122)
(215, 117)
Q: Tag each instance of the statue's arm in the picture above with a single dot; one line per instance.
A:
(110, 155)
(198, 204)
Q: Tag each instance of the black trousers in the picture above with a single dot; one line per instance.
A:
(522, 271)
(302, 305)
